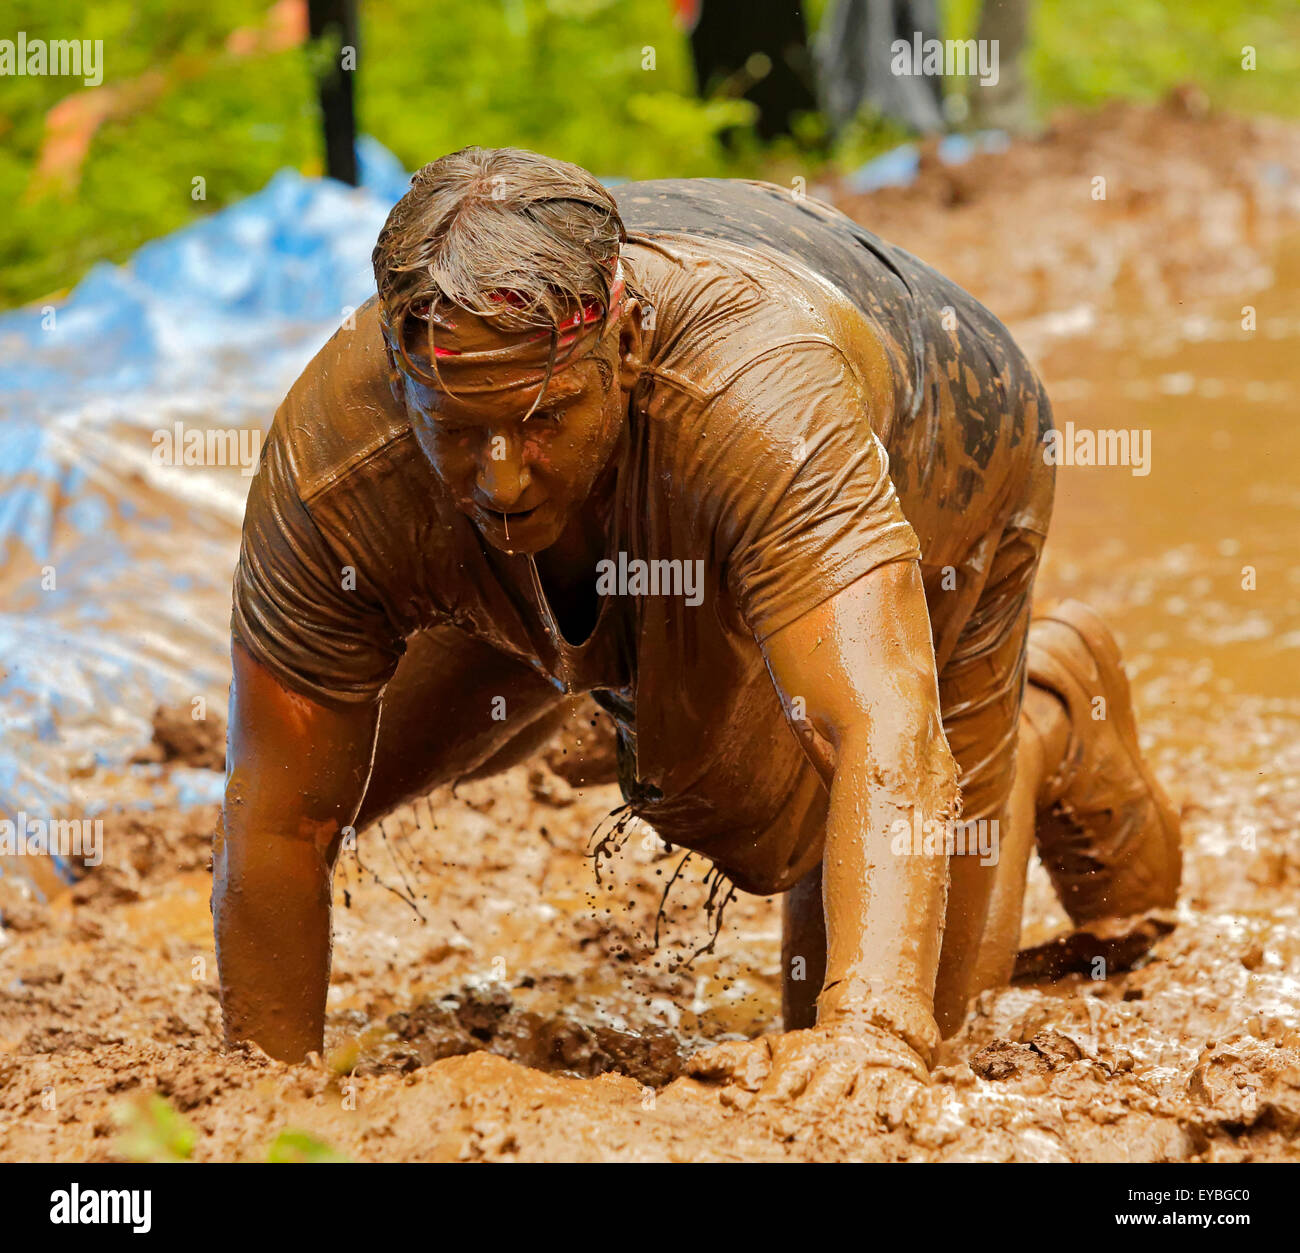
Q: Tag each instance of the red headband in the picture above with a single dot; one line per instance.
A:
(567, 332)
(489, 358)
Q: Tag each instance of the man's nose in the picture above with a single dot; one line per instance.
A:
(503, 475)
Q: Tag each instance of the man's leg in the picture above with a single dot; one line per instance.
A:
(1000, 940)
(1106, 832)
(455, 709)
(1061, 770)
(803, 936)
(1104, 828)
(981, 687)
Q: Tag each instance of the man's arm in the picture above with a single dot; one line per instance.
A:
(863, 664)
(296, 776)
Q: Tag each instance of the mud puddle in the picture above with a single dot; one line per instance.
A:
(1194, 555)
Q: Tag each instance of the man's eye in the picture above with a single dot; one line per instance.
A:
(416, 338)
(545, 415)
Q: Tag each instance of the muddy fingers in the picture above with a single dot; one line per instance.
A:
(745, 1063)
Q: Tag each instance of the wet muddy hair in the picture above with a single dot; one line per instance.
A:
(485, 221)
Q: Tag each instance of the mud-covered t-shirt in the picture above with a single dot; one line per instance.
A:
(787, 349)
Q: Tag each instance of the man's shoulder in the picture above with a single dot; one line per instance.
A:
(740, 210)
(341, 417)
(721, 310)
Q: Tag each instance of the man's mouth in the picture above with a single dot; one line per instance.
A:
(509, 517)
(511, 522)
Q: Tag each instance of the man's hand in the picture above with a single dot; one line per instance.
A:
(817, 1070)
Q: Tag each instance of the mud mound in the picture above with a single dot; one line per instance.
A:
(528, 1016)
(184, 740)
(1193, 205)
(489, 1020)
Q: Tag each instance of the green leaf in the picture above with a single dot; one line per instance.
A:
(302, 1146)
(152, 1131)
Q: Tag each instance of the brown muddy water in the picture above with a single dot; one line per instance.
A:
(1199, 559)
(491, 1002)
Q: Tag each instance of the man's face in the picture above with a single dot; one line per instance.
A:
(521, 480)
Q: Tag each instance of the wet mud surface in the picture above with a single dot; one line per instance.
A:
(492, 1001)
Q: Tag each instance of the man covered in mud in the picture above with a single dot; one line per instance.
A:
(771, 491)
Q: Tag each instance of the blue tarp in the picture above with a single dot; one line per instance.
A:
(115, 565)
(899, 166)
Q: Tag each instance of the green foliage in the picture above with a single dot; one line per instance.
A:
(1085, 54)
(605, 83)
(564, 77)
(303, 1147)
(150, 1130)
(1142, 48)
(197, 110)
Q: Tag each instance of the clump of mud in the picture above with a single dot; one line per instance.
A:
(489, 1020)
(180, 739)
(147, 848)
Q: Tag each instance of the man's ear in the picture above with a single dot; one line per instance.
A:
(631, 347)
(395, 382)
